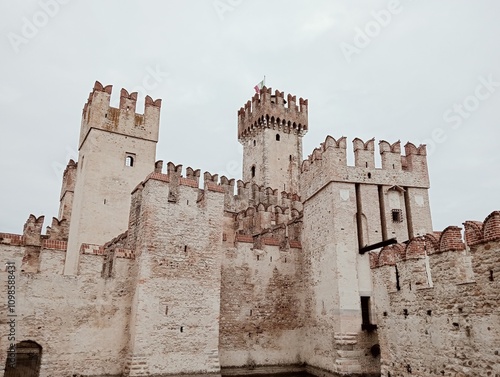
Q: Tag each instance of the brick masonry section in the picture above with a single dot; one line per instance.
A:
(11, 239)
(56, 245)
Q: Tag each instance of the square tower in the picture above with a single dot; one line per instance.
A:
(117, 150)
(270, 129)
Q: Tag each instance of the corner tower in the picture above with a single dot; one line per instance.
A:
(117, 150)
(270, 129)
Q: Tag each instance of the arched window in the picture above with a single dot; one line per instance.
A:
(129, 161)
(254, 142)
(277, 137)
(253, 171)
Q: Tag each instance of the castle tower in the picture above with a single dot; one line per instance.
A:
(117, 151)
(67, 191)
(270, 129)
(349, 210)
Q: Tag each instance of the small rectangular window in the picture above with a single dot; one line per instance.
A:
(397, 216)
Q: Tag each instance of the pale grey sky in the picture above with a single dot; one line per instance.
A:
(423, 71)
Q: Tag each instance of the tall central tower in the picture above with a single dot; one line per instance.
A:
(270, 129)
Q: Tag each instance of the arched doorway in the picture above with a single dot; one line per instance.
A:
(28, 356)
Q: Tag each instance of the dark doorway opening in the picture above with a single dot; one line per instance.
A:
(25, 361)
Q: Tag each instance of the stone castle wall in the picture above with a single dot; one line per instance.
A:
(175, 318)
(80, 321)
(335, 277)
(269, 272)
(262, 305)
(160, 284)
(437, 303)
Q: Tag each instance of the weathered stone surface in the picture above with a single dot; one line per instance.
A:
(440, 316)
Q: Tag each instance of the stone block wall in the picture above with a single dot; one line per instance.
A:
(335, 277)
(437, 303)
(262, 305)
(174, 325)
(79, 321)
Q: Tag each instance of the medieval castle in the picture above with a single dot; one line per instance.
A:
(304, 265)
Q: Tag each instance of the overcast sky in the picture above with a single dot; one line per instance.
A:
(420, 71)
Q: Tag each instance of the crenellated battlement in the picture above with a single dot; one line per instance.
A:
(177, 188)
(58, 230)
(255, 211)
(250, 194)
(55, 237)
(441, 258)
(489, 230)
(238, 195)
(328, 162)
(450, 239)
(364, 154)
(174, 176)
(69, 178)
(97, 113)
(67, 195)
(432, 243)
(262, 217)
(265, 217)
(32, 230)
(267, 110)
(256, 226)
(391, 155)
